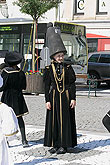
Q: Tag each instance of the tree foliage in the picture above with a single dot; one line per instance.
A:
(36, 8)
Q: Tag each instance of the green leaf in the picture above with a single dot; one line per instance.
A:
(36, 8)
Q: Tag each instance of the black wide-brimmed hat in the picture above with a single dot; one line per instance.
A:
(13, 58)
(54, 42)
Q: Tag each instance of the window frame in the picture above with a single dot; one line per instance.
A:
(104, 56)
(97, 10)
(97, 58)
(76, 12)
(92, 41)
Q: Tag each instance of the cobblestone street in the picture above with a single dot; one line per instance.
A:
(89, 110)
(93, 139)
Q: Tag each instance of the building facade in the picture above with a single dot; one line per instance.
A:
(94, 14)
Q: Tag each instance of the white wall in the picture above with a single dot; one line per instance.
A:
(51, 15)
(90, 9)
(64, 12)
(13, 11)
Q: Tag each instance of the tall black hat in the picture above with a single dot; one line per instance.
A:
(13, 58)
(54, 42)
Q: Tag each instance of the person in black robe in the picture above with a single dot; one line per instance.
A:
(60, 97)
(14, 81)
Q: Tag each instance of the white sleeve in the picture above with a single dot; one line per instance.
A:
(1, 81)
(9, 120)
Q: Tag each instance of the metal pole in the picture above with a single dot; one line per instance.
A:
(33, 51)
(59, 11)
(89, 88)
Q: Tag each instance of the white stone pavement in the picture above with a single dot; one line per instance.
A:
(92, 149)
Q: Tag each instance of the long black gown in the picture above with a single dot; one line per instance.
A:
(14, 81)
(60, 127)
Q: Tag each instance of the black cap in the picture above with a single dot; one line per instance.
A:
(13, 58)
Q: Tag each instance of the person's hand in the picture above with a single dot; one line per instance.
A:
(48, 105)
(73, 103)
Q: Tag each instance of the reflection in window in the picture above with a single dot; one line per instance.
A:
(94, 58)
(26, 43)
(92, 45)
(76, 49)
(9, 42)
(105, 58)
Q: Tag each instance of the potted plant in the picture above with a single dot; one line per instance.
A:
(35, 8)
(34, 82)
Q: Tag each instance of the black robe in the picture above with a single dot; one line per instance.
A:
(60, 127)
(14, 81)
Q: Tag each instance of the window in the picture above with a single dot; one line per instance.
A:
(94, 58)
(2, 1)
(79, 7)
(102, 7)
(92, 45)
(105, 58)
(9, 42)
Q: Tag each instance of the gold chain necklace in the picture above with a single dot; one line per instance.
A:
(58, 79)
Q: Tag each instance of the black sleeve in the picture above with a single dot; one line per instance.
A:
(47, 83)
(4, 75)
(22, 80)
(72, 79)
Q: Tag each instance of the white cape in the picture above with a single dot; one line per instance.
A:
(8, 127)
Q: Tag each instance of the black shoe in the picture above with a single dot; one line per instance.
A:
(8, 143)
(52, 150)
(25, 144)
(61, 150)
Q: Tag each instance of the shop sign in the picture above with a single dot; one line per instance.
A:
(80, 6)
(103, 6)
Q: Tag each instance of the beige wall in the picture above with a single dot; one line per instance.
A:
(90, 11)
(95, 23)
(64, 13)
(67, 12)
(13, 11)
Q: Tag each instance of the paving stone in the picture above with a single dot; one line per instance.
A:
(93, 139)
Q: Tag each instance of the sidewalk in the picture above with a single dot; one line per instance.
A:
(103, 91)
(92, 149)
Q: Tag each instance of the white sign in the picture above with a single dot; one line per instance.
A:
(103, 6)
(28, 56)
(2, 60)
(40, 41)
(107, 47)
(80, 6)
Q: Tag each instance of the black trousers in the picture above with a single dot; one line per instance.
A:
(106, 121)
(22, 128)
